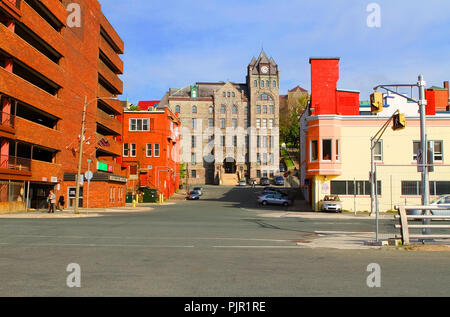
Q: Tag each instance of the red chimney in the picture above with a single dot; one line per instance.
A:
(446, 85)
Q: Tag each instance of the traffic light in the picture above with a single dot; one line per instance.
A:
(376, 102)
(399, 121)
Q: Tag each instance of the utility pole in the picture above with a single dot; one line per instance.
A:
(424, 146)
(80, 157)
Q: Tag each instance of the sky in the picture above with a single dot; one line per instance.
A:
(175, 43)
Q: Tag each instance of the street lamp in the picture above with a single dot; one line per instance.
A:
(80, 155)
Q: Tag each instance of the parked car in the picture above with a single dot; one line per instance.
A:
(282, 168)
(199, 190)
(332, 203)
(242, 182)
(193, 195)
(279, 180)
(264, 181)
(274, 199)
(442, 202)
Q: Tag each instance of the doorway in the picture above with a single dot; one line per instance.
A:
(71, 194)
(229, 165)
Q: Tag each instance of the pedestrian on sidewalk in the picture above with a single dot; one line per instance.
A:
(51, 202)
(61, 203)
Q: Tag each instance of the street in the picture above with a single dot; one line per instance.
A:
(220, 245)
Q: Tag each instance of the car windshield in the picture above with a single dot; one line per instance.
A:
(193, 193)
(331, 198)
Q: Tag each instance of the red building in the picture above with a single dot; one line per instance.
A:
(151, 150)
(48, 70)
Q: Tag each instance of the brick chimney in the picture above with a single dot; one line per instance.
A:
(448, 90)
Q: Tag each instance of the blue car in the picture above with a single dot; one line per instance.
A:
(279, 180)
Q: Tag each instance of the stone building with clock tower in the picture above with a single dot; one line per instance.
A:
(230, 131)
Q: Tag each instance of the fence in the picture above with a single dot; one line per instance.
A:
(400, 185)
(405, 227)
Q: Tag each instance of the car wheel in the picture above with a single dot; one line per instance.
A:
(264, 203)
(285, 204)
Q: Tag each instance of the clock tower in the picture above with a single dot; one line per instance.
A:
(263, 82)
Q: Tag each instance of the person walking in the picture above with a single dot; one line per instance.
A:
(51, 202)
(61, 203)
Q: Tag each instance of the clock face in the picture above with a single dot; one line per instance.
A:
(264, 69)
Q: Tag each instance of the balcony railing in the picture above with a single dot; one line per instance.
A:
(7, 119)
(15, 163)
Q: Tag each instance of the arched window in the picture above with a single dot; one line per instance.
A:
(194, 109)
(265, 97)
(255, 83)
(211, 109)
(235, 110)
(177, 109)
(223, 109)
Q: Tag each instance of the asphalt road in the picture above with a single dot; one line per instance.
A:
(218, 246)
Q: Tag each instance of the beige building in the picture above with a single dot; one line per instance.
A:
(230, 131)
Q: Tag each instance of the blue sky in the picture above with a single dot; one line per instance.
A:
(174, 43)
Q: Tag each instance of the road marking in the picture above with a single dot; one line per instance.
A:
(96, 245)
(343, 232)
(147, 238)
(256, 247)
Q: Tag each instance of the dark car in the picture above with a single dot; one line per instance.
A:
(193, 195)
(264, 181)
(279, 180)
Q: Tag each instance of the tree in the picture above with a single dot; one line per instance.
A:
(290, 123)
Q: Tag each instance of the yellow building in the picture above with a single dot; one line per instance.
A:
(336, 157)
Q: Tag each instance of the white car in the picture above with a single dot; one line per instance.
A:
(199, 190)
(441, 202)
(242, 182)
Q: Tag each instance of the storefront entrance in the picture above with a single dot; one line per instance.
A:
(71, 194)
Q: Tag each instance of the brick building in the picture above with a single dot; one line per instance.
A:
(47, 72)
(151, 150)
(230, 131)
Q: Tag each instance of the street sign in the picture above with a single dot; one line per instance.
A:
(81, 179)
(88, 175)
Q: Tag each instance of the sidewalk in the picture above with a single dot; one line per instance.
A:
(69, 213)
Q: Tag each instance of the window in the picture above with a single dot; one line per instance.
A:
(193, 142)
(264, 159)
(338, 150)
(126, 150)
(223, 109)
(133, 149)
(233, 94)
(235, 123)
(222, 123)
(224, 94)
(255, 83)
(258, 158)
(265, 109)
(264, 123)
(258, 174)
(193, 158)
(194, 109)
(149, 149)
(211, 110)
(211, 123)
(438, 155)
(314, 151)
(378, 151)
(194, 174)
(271, 110)
(264, 142)
(262, 83)
(246, 110)
(267, 84)
(235, 110)
(177, 109)
(272, 142)
(353, 187)
(246, 140)
(222, 141)
(326, 150)
(265, 97)
(194, 123)
(133, 169)
(156, 149)
(235, 140)
(245, 124)
(139, 125)
(414, 188)
(270, 123)
(228, 94)
(258, 123)
(416, 147)
(272, 159)
(258, 109)
(274, 84)
(258, 141)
